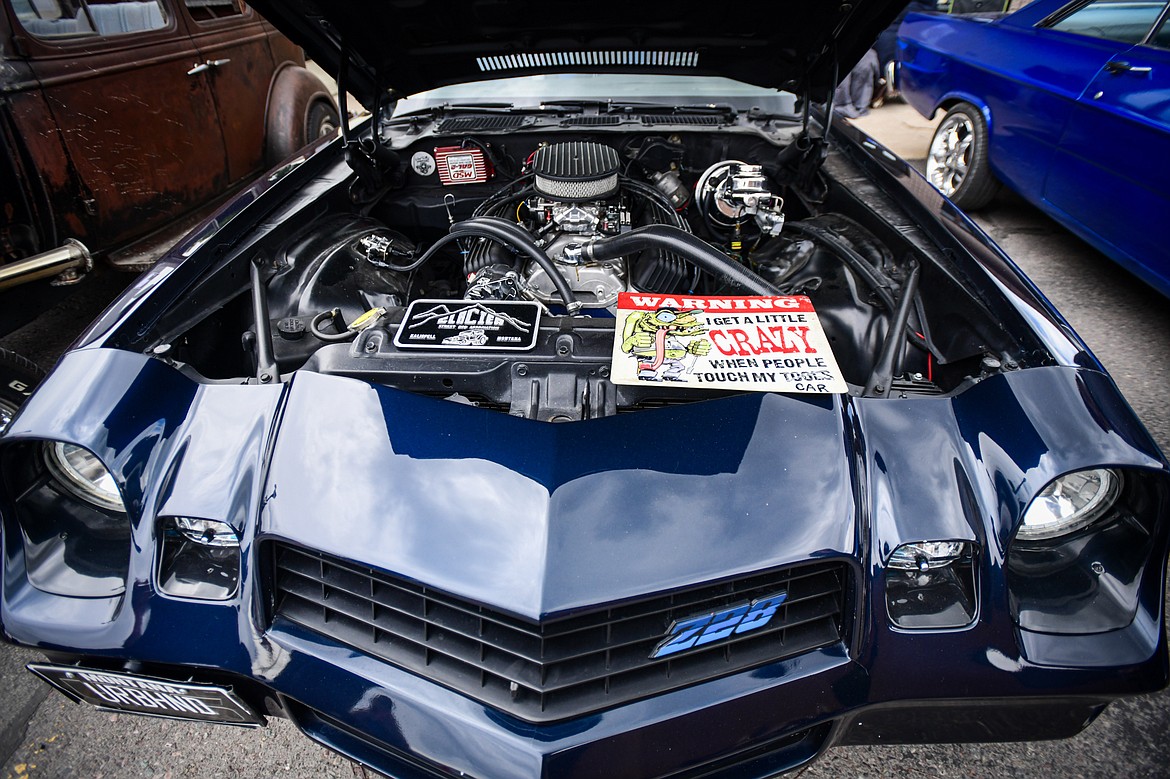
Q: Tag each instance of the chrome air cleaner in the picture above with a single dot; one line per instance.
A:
(576, 171)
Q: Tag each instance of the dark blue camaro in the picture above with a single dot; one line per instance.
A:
(588, 421)
(1066, 103)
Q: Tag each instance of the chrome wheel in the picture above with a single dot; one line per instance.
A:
(949, 160)
(958, 162)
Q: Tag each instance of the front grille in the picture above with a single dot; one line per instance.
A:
(557, 668)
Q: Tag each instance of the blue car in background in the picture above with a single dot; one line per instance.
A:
(1066, 103)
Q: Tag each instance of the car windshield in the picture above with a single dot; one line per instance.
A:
(528, 92)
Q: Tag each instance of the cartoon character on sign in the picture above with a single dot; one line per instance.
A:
(660, 340)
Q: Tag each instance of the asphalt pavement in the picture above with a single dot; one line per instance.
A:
(1124, 322)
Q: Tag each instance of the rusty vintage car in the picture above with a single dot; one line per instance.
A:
(121, 122)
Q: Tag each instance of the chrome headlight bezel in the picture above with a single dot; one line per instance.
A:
(83, 475)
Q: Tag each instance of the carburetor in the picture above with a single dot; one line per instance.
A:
(578, 198)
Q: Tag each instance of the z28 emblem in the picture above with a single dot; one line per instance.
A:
(697, 631)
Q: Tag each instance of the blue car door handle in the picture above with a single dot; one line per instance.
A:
(1117, 67)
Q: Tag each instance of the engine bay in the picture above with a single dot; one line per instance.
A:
(566, 223)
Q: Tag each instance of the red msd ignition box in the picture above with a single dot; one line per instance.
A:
(462, 165)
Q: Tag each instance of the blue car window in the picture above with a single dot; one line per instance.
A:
(1125, 21)
(118, 17)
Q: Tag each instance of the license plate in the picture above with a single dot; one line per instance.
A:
(123, 692)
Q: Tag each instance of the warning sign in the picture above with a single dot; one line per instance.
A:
(763, 344)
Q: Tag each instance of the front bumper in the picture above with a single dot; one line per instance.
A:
(888, 686)
(758, 723)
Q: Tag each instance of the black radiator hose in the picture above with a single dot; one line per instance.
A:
(497, 229)
(518, 238)
(685, 245)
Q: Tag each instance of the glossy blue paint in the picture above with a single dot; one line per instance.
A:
(1118, 139)
(536, 519)
(1083, 140)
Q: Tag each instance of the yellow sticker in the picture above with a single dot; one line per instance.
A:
(368, 319)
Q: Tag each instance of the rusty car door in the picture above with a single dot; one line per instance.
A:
(233, 41)
(123, 133)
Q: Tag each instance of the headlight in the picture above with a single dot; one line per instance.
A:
(1069, 503)
(80, 472)
(200, 558)
(208, 532)
(1085, 562)
(926, 555)
(71, 518)
(930, 585)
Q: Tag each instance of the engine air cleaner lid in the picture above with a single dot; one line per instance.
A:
(576, 170)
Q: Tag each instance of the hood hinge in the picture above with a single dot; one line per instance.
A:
(373, 163)
(802, 159)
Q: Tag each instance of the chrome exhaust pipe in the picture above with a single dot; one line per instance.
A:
(69, 262)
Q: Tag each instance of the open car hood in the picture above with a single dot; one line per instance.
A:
(408, 46)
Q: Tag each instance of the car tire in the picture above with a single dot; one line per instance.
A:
(300, 110)
(322, 121)
(18, 378)
(957, 163)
